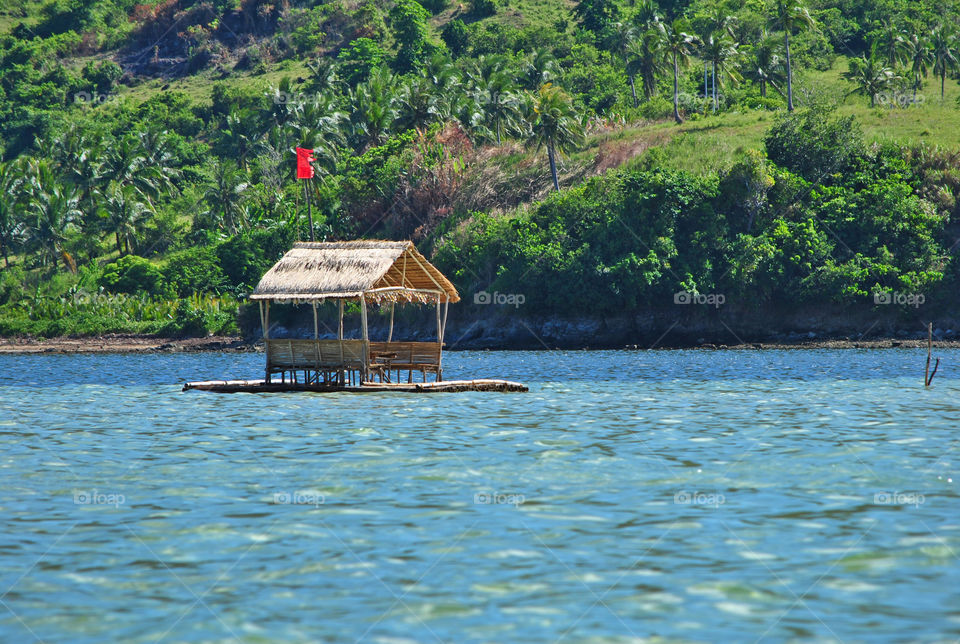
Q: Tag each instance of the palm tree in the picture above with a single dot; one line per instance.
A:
(468, 111)
(624, 36)
(556, 127)
(920, 56)
(52, 210)
(765, 67)
(943, 42)
(645, 12)
(78, 160)
(646, 58)
(161, 161)
(284, 102)
(323, 75)
(240, 135)
(126, 213)
(226, 195)
(416, 103)
(871, 76)
(127, 164)
(11, 228)
(720, 51)
(679, 45)
(444, 79)
(539, 67)
(891, 43)
(790, 15)
(374, 108)
(499, 99)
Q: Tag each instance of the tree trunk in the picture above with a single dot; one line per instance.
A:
(714, 81)
(119, 245)
(943, 75)
(633, 91)
(6, 260)
(763, 89)
(706, 87)
(553, 165)
(786, 37)
(676, 90)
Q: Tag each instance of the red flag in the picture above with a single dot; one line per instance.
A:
(304, 159)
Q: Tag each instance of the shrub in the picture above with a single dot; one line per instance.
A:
(103, 76)
(456, 36)
(483, 8)
(358, 58)
(813, 145)
(194, 270)
(133, 274)
(245, 258)
(656, 108)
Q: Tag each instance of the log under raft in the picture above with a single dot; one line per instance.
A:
(368, 272)
(446, 386)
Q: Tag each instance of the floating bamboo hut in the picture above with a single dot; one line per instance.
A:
(371, 273)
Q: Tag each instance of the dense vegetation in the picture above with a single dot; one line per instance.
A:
(130, 205)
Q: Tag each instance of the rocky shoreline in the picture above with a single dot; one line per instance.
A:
(485, 328)
(235, 344)
(123, 343)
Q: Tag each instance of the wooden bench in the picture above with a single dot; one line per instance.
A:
(406, 356)
(327, 358)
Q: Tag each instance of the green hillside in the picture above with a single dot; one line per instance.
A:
(147, 150)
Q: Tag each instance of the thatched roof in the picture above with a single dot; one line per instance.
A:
(378, 270)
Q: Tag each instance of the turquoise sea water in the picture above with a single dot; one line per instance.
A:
(674, 495)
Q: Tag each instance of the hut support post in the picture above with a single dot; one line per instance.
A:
(340, 337)
(443, 332)
(439, 342)
(363, 317)
(265, 324)
(316, 340)
(366, 344)
(390, 334)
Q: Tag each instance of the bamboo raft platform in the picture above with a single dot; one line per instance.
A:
(368, 273)
(445, 386)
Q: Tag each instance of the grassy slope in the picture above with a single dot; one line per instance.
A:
(712, 142)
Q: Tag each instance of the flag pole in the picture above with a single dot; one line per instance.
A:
(306, 189)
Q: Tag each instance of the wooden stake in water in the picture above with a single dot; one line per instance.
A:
(927, 376)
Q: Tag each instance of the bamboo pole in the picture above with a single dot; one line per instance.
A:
(439, 325)
(390, 334)
(316, 329)
(366, 343)
(443, 330)
(363, 316)
(266, 338)
(340, 338)
(306, 190)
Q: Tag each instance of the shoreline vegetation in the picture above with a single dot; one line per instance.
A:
(637, 163)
